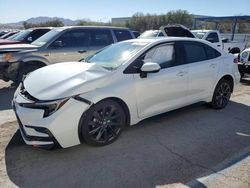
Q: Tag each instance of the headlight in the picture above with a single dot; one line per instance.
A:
(48, 107)
(5, 57)
(244, 54)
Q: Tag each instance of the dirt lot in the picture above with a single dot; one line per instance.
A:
(178, 147)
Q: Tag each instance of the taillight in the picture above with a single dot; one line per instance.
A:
(236, 60)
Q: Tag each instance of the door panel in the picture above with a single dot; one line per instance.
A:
(203, 68)
(162, 91)
(74, 45)
(202, 76)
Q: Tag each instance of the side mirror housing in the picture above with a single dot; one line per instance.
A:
(57, 44)
(29, 39)
(149, 67)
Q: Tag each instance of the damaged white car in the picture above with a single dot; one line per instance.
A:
(92, 101)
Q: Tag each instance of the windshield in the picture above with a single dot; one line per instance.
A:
(116, 54)
(21, 35)
(45, 38)
(199, 35)
(12, 36)
(150, 34)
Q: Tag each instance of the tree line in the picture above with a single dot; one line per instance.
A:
(141, 22)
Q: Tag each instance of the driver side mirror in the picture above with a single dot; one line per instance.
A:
(149, 67)
(57, 44)
(29, 39)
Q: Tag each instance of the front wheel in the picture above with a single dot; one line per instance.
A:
(103, 123)
(222, 94)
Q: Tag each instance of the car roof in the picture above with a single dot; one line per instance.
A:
(204, 30)
(97, 27)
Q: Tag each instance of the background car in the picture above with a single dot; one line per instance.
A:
(59, 45)
(244, 64)
(25, 36)
(9, 34)
(151, 33)
(93, 101)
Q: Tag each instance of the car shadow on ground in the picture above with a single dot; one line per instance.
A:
(6, 96)
(175, 147)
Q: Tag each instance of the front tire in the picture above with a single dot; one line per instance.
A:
(103, 123)
(222, 94)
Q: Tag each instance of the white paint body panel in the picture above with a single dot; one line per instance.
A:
(166, 90)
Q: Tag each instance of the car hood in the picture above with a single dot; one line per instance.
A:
(7, 41)
(64, 80)
(16, 47)
(177, 30)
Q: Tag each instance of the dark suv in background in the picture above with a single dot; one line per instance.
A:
(25, 36)
(62, 44)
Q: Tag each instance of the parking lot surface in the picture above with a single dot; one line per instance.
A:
(176, 148)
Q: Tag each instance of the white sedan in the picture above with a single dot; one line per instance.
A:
(92, 101)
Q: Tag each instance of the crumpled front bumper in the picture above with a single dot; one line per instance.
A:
(59, 128)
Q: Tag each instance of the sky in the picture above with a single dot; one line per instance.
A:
(104, 10)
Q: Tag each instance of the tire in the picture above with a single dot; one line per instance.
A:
(222, 94)
(103, 123)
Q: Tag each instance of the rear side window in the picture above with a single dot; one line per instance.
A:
(211, 53)
(100, 37)
(122, 34)
(195, 52)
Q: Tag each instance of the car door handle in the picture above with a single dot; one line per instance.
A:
(219, 45)
(82, 51)
(181, 73)
(212, 66)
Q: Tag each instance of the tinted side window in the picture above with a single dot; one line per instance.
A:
(75, 38)
(122, 34)
(211, 53)
(38, 33)
(163, 55)
(100, 37)
(195, 52)
(213, 37)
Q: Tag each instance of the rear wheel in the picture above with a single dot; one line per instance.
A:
(103, 123)
(222, 94)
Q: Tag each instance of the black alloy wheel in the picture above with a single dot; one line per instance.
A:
(222, 94)
(103, 123)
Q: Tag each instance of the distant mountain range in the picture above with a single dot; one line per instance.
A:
(37, 20)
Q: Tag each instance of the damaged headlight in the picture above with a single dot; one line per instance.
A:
(5, 57)
(48, 107)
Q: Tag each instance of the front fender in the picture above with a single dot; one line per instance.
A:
(35, 59)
